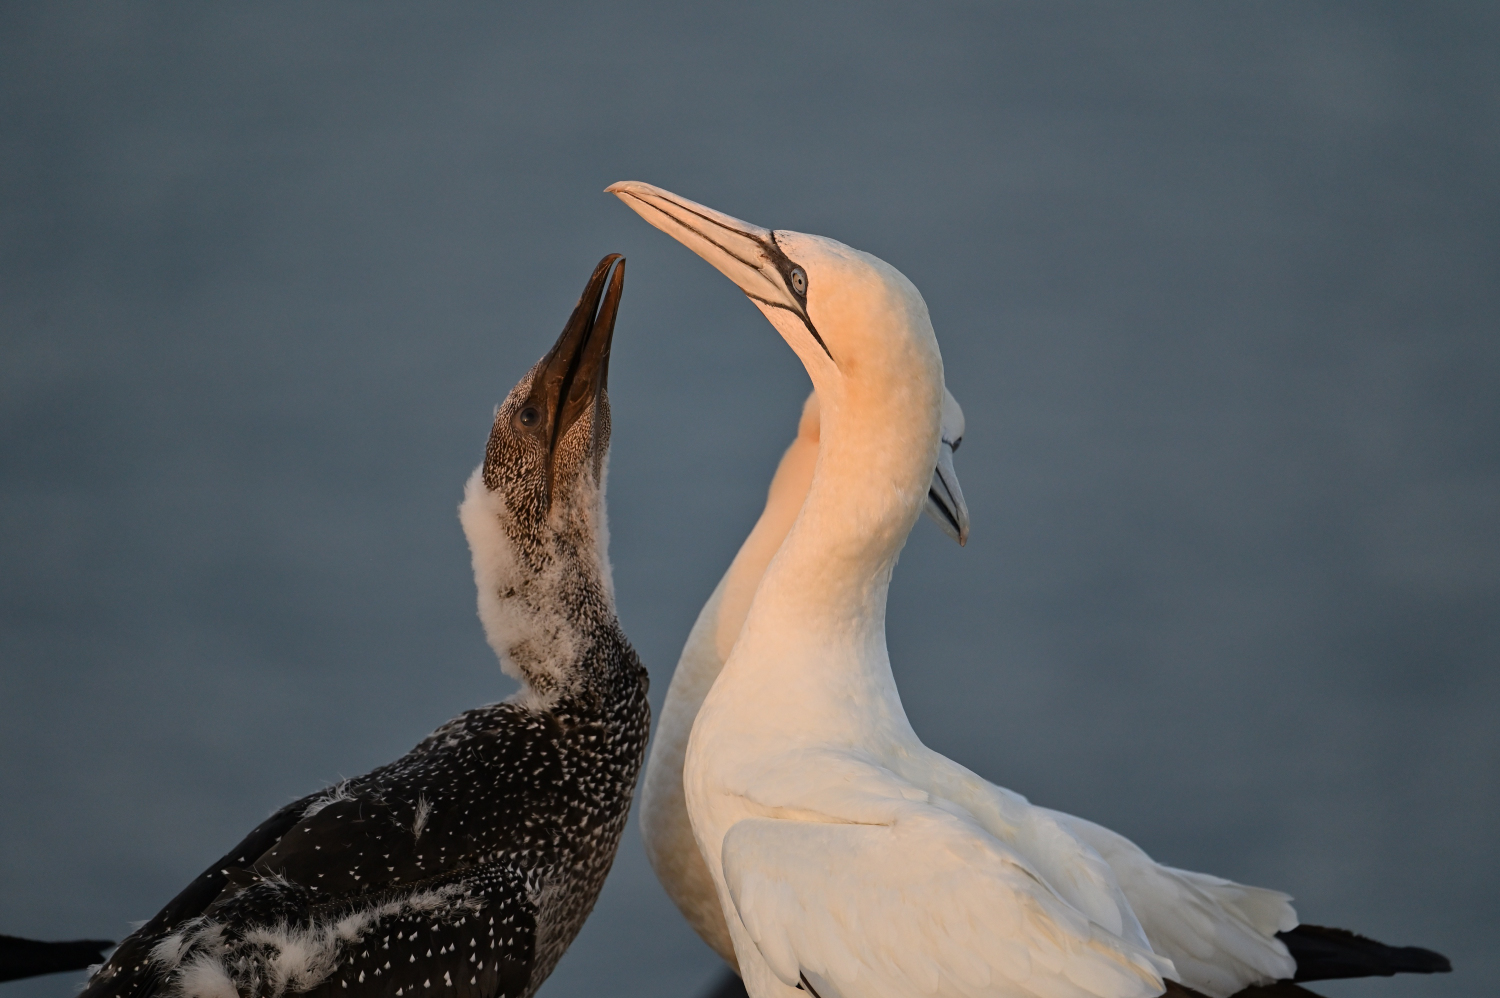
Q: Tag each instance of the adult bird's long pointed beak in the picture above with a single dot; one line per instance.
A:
(746, 254)
(749, 256)
(945, 499)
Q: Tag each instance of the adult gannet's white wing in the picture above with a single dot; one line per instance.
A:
(921, 900)
(1221, 935)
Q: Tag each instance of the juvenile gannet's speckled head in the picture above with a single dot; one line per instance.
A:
(534, 511)
(551, 433)
(858, 325)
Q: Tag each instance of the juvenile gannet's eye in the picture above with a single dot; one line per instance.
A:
(799, 280)
(529, 416)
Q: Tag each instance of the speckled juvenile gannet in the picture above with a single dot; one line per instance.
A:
(467, 866)
(665, 829)
(850, 860)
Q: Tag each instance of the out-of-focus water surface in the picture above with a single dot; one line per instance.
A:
(1216, 285)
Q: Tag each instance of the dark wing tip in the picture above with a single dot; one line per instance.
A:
(32, 957)
(1325, 954)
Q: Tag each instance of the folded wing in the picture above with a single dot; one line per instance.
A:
(1221, 935)
(928, 903)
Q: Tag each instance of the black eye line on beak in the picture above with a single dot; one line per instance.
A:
(727, 251)
(785, 266)
(801, 315)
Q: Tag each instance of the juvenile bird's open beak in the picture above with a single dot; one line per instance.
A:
(575, 372)
(746, 254)
(945, 499)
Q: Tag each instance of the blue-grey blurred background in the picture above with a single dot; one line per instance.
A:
(1218, 286)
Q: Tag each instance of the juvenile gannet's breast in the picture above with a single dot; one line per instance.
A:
(468, 864)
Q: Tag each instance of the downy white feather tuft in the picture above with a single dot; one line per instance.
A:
(291, 958)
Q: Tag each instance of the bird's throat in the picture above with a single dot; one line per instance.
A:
(545, 617)
(819, 612)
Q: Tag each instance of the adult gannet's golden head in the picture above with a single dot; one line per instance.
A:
(855, 321)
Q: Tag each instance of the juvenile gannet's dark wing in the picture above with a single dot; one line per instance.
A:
(397, 877)
(129, 971)
(32, 957)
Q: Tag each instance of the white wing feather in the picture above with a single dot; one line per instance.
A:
(1221, 935)
(1068, 863)
(926, 904)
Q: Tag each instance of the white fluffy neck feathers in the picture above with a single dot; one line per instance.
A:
(541, 621)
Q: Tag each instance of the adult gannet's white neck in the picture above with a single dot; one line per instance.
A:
(863, 333)
(665, 827)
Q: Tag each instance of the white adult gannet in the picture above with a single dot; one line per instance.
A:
(850, 859)
(665, 829)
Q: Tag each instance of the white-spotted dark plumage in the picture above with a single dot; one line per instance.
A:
(468, 865)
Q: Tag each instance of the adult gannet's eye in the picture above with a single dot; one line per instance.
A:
(529, 416)
(799, 280)
(956, 443)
